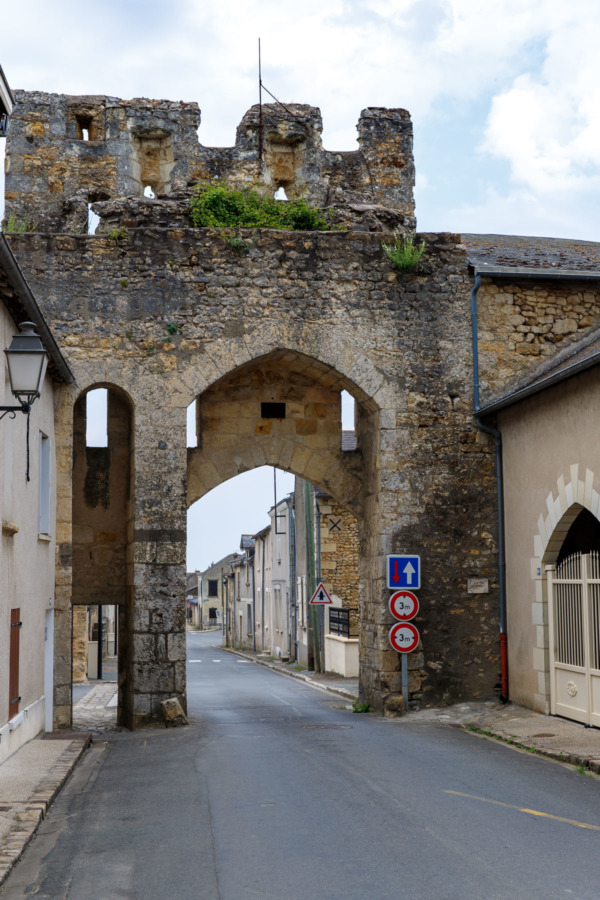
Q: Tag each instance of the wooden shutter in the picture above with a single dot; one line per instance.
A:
(13, 681)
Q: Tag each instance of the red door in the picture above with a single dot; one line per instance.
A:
(13, 680)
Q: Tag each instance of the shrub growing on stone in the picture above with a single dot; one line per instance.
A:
(217, 206)
(404, 254)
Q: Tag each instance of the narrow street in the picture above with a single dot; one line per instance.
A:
(276, 790)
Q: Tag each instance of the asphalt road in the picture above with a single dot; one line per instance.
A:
(274, 791)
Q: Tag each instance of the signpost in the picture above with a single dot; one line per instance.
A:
(320, 596)
(404, 605)
(404, 577)
(404, 571)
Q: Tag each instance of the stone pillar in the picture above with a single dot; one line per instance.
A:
(155, 658)
(64, 399)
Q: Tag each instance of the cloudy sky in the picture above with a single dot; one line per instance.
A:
(504, 95)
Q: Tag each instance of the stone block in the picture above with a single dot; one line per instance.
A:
(172, 713)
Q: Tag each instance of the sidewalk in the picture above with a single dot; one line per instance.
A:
(31, 778)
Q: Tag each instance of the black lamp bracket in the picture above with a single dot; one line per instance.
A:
(13, 410)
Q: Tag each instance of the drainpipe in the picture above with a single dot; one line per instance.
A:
(499, 493)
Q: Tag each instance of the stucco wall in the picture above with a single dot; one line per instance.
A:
(551, 461)
(26, 559)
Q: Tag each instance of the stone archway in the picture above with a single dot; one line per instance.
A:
(281, 409)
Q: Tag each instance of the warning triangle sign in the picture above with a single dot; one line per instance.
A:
(320, 595)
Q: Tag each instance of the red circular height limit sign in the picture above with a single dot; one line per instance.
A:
(404, 605)
(404, 637)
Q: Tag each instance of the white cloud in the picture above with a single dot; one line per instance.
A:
(547, 123)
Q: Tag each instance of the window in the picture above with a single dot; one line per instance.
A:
(272, 410)
(213, 587)
(96, 418)
(84, 127)
(44, 486)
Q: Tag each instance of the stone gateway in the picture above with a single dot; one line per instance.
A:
(163, 314)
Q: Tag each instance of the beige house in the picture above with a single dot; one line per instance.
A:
(211, 592)
(549, 441)
(28, 488)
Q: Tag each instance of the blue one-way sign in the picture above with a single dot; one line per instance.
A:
(404, 572)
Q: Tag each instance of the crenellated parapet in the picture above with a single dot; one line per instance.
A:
(66, 152)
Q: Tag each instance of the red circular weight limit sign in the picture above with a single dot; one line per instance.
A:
(404, 637)
(404, 605)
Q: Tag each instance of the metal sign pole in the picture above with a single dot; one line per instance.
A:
(405, 680)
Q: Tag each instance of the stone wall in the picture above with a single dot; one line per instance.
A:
(521, 324)
(339, 554)
(400, 343)
(65, 152)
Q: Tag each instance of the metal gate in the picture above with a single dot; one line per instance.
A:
(574, 631)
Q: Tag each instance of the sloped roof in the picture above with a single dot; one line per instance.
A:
(539, 257)
(348, 440)
(247, 542)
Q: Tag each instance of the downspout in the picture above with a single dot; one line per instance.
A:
(499, 494)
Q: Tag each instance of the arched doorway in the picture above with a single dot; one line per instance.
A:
(101, 556)
(574, 622)
(284, 410)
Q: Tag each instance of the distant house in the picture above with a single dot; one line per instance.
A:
(211, 592)
(241, 599)
(28, 512)
(192, 590)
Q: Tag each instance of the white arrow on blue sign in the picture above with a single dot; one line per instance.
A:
(404, 571)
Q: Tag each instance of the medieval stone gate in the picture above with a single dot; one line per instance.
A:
(162, 314)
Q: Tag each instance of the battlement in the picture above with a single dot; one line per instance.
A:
(65, 152)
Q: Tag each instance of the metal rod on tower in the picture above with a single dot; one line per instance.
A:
(260, 119)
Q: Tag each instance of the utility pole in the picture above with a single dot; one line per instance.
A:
(313, 620)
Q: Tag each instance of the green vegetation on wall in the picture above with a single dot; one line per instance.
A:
(217, 206)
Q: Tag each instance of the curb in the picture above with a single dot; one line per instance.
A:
(523, 743)
(298, 676)
(36, 808)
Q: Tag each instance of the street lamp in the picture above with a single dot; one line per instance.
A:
(27, 361)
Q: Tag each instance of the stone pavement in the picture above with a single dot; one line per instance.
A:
(96, 711)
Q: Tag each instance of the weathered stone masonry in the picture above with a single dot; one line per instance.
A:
(427, 477)
(298, 319)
